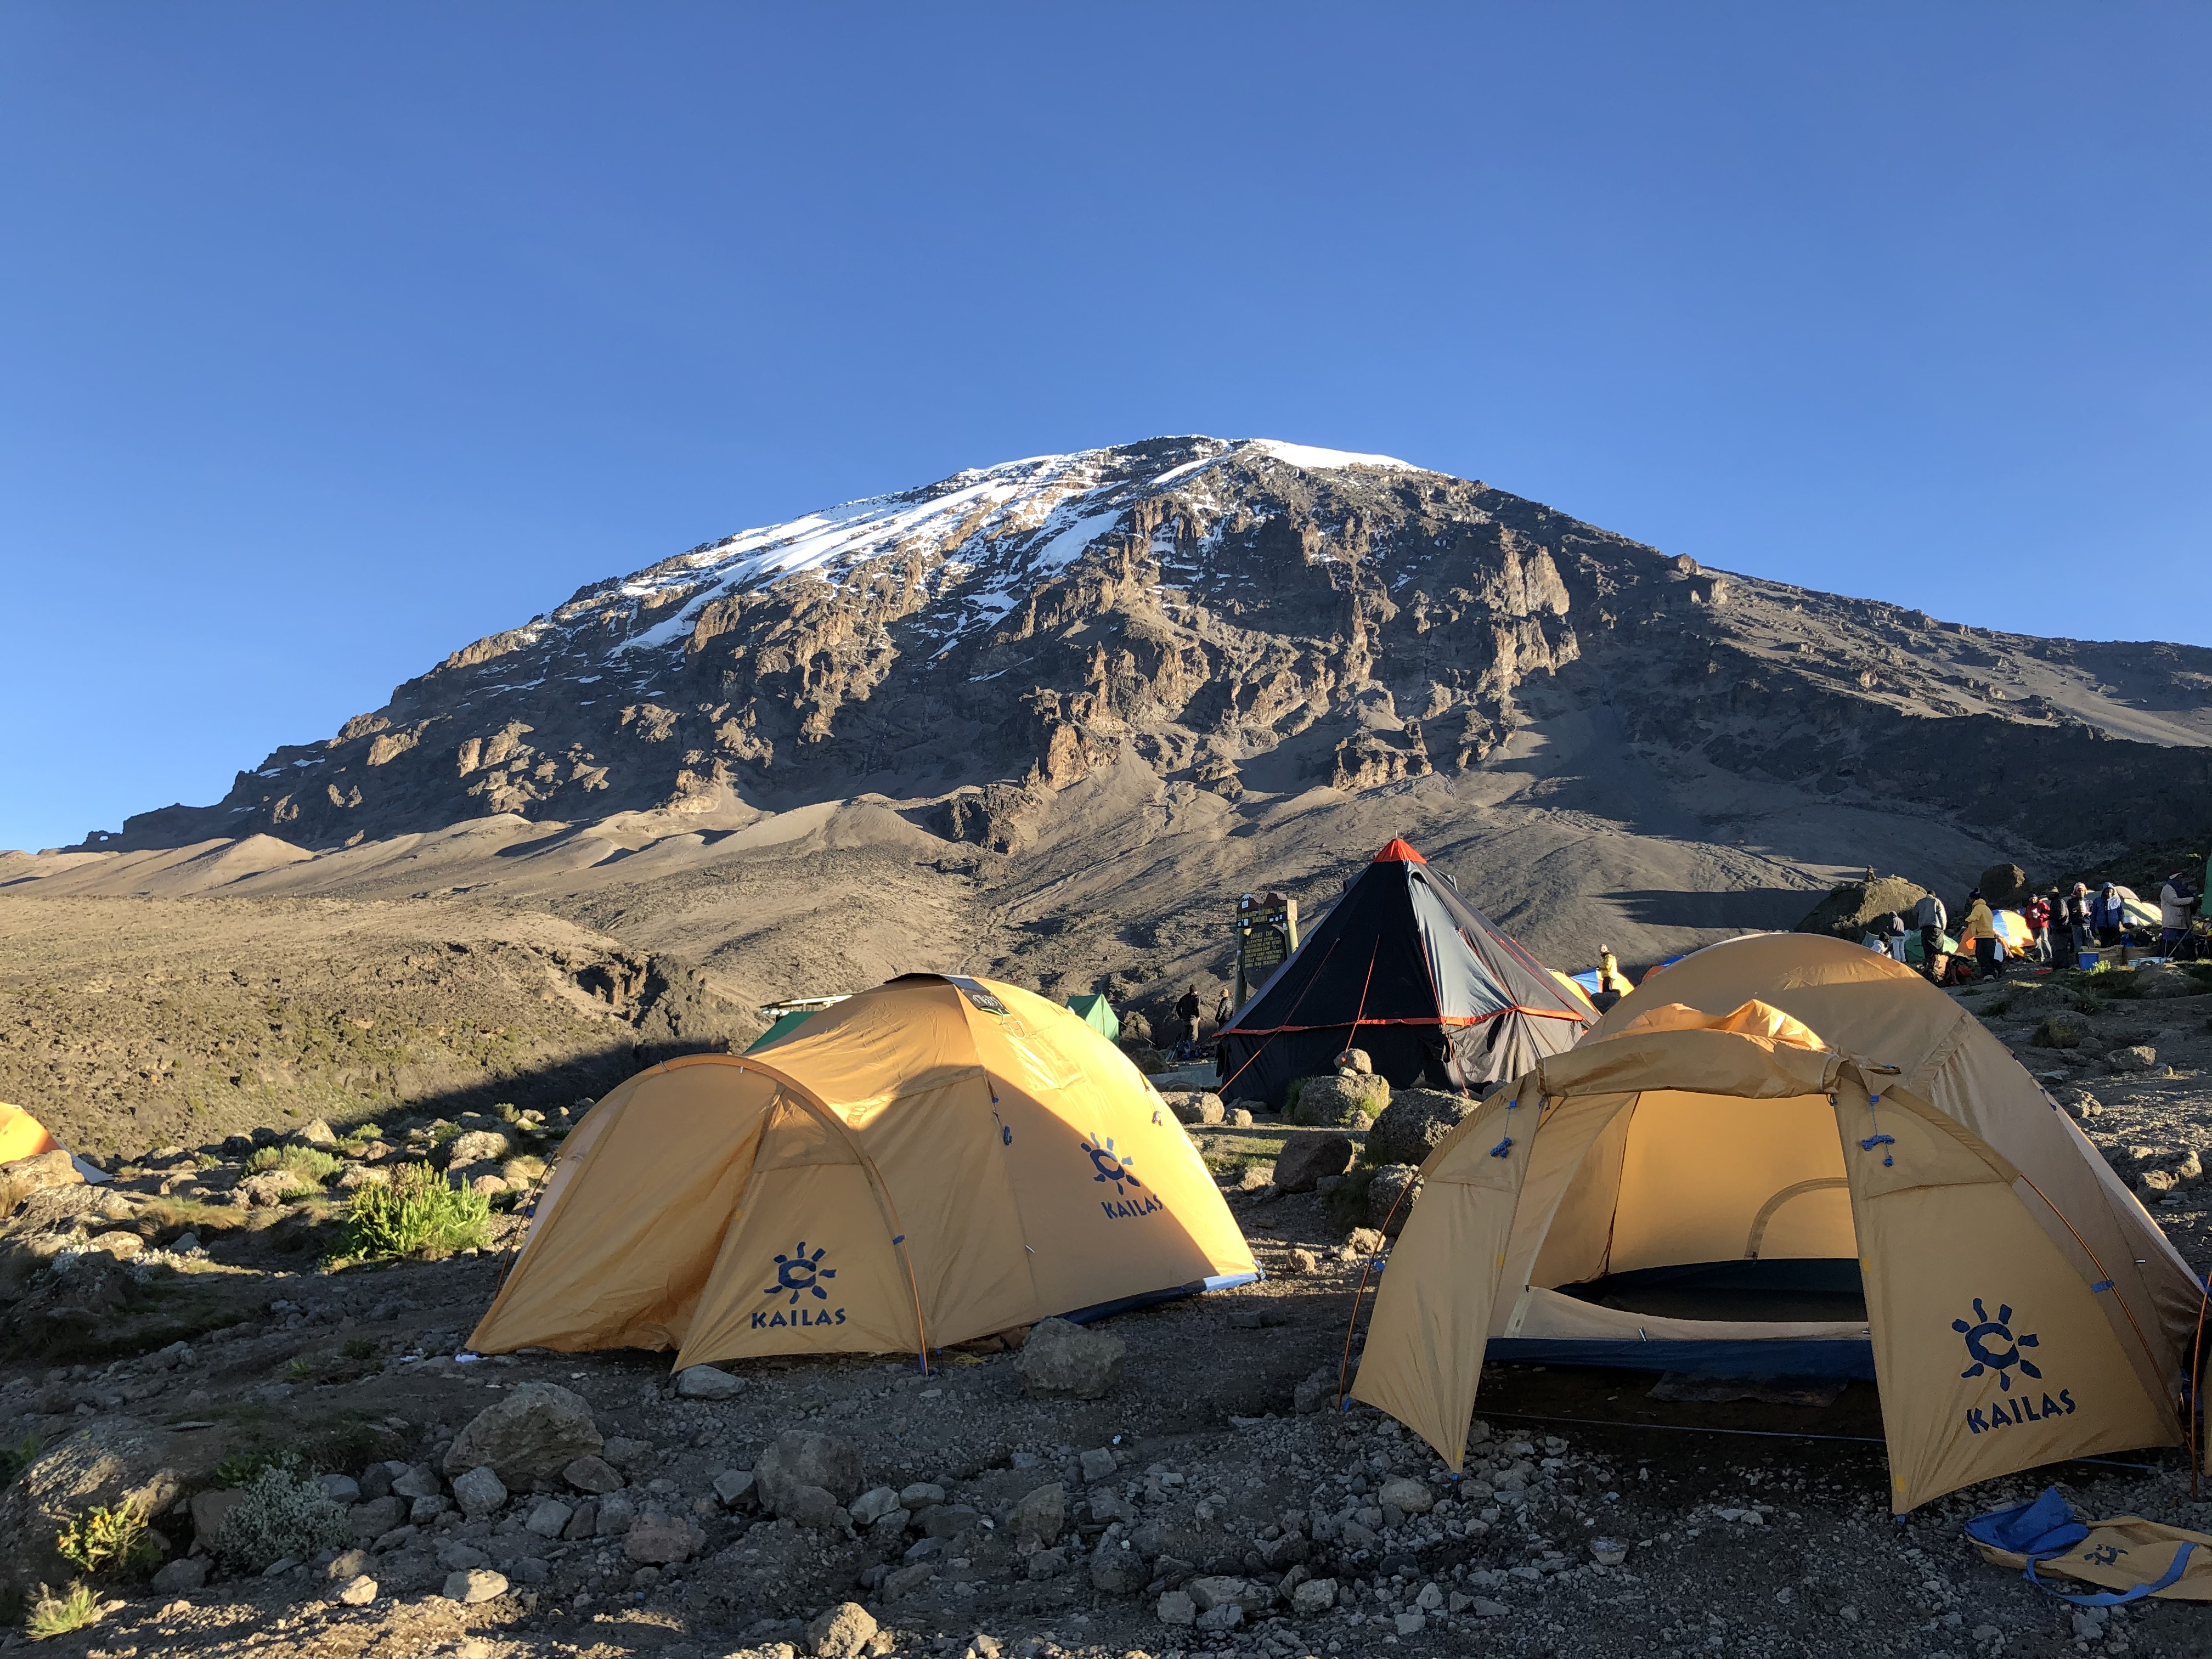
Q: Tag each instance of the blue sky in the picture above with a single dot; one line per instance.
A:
(332, 337)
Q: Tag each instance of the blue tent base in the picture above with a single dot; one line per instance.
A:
(1151, 1298)
(1752, 1358)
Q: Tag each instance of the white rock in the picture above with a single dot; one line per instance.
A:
(479, 1493)
(1314, 1595)
(476, 1584)
(872, 1504)
(358, 1592)
(705, 1383)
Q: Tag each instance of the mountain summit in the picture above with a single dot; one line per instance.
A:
(1256, 619)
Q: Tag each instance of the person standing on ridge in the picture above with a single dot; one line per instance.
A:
(1187, 1011)
(1929, 916)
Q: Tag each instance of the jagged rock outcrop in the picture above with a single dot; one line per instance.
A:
(983, 643)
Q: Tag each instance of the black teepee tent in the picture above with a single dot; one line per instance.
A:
(1406, 969)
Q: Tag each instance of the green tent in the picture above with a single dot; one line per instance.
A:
(1098, 1014)
(1915, 955)
(784, 1026)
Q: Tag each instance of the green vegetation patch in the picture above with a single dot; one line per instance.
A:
(421, 1216)
(52, 1615)
(115, 1540)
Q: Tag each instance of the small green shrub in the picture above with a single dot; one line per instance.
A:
(52, 1615)
(205, 1160)
(242, 1468)
(362, 1347)
(1291, 1098)
(103, 1540)
(310, 1163)
(15, 1459)
(283, 1513)
(421, 1214)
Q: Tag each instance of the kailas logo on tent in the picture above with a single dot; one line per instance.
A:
(798, 1276)
(1107, 1165)
(1991, 1345)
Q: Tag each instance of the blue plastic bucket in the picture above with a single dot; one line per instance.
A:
(2087, 961)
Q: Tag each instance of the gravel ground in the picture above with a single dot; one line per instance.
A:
(1593, 1518)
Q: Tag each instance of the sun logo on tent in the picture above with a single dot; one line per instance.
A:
(1107, 1164)
(799, 1272)
(1991, 1345)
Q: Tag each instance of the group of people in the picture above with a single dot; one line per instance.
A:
(2060, 924)
(1188, 1009)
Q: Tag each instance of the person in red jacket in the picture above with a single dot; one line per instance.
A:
(2038, 916)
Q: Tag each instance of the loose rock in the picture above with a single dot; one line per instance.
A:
(1062, 1361)
(479, 1493)
(1306, 1159)
(705, 1383)
(528, 1438)
(840, 1633)
(802, 1458)
(473, 1585)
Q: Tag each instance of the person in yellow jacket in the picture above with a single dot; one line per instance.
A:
(1610, 976)
(1981, 932)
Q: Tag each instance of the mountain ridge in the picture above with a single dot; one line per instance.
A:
(1207, 604)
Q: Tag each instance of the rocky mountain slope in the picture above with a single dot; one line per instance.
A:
(1048, 718)
(1253, 617)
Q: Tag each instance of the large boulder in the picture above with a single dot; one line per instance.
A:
(1414, 1124)
(2003, 885)
(1195, 1106)
(67, 1307)
(1340, 1101)
(1060, 1361)
(536, 1430)
(112, 1461)
(800, 1458)
(1393, 1183)
(21, 1177)
(1306, 1159)
(1850, 909)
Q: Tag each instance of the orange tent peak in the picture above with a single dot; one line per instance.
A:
(1399, 852)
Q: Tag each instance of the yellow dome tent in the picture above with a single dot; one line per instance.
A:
(1790, 1155)
(930, 1161)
